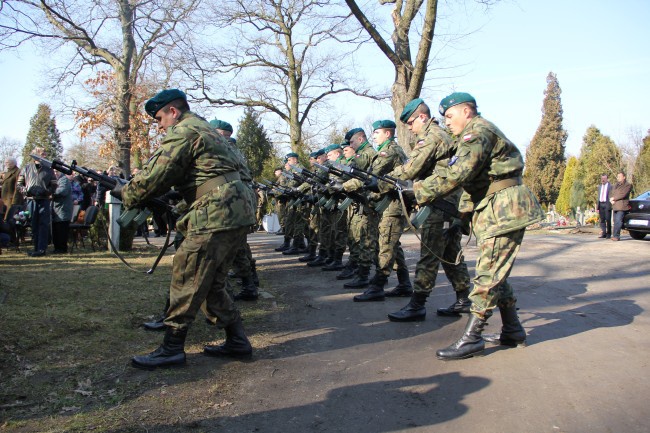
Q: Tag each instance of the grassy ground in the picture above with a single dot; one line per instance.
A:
(68, 327)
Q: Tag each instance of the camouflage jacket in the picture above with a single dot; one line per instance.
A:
(386, 159)
(485, 155)
(192, 153)
(433, 150)
(364, 155)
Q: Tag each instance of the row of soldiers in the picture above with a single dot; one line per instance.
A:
(358, 197)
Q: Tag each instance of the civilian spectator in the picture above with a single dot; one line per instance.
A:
(619, 199)
(605, 208)
(8, 180)
(62, 204)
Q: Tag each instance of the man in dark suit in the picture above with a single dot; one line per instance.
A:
(605, 207)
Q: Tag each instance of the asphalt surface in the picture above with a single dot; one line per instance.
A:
(343, 367)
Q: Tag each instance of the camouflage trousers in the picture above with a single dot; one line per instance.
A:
(281, 212)
(390, 251)
(495, 260)
(312, 226)
(436, 245)
(363, 233)
(199, 272)
(333, 231)
(242, 265)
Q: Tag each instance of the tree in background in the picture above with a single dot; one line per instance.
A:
(122, 36)
(9, 148)
(283, 57)
(642, 167)
(598, 155)
(578, 195)
(563, 203)
(545, 160)
(43, 133)
(254, 143)
(97, 123)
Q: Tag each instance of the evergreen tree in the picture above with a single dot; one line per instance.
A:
(563, 204)
(43, 133)
(642, 167)
(578, 196)
(255, 144)
(545, 160)
(598, 155)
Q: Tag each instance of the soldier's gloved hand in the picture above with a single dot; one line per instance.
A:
(335, 186)
(117, 189)
(371, 184)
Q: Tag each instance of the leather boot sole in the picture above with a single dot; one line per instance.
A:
(457, 358)
(138, 362)
(216, 352)
(364, 298)
(413, 318)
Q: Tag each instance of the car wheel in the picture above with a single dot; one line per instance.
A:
(637, 235)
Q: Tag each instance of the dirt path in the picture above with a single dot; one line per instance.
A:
(332, 365)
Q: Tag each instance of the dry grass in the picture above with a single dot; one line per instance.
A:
(69, 325)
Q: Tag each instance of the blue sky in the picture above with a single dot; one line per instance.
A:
(598, 49)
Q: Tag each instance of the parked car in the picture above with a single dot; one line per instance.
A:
(637, 221)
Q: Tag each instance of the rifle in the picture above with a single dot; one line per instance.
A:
(349, 196)
(137, 215)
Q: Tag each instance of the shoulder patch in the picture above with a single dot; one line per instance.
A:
(467, 137)
(383, 154)
(452, 161)
(419, 143)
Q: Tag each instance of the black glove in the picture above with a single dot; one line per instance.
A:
(371, 184)
(336, 186)
(117, 189)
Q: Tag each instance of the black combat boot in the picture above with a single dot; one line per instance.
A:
(320, 259)
(236, 344)
(414, 310)
(349, 271)
(336, 265)
(461, 305)
(295, 247)
(470, 344)
(361, 280)
(404, 288)
(157, 325)
(310, 256)
(375, 292)
(256, 279)
(248, 290)
(512, 333)
(285, 246)
(170, 353)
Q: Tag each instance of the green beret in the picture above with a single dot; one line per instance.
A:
(220, 124)
(351, 132)
(291, 155)
(455, 99)
(153, 105)
(332, 147)
(409, 109)
(316, 154)
(345, 144)
(383, 124)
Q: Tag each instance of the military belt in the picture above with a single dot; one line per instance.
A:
(503, 184)
(213, 183)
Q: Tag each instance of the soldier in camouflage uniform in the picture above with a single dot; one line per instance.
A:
(279, 202)
(337, 236)
(488, 167)
(440, 242)
(314, 213)
(392, 221)
(200, 164)
(325, 219)
(244, 263)
(298, 213)
(288, 212)
(364, 220)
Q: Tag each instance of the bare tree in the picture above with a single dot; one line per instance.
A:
(408, 16)
(283, 56)
(126, 37)
(9, 148)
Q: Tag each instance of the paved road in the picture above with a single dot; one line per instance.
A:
(342, 367)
